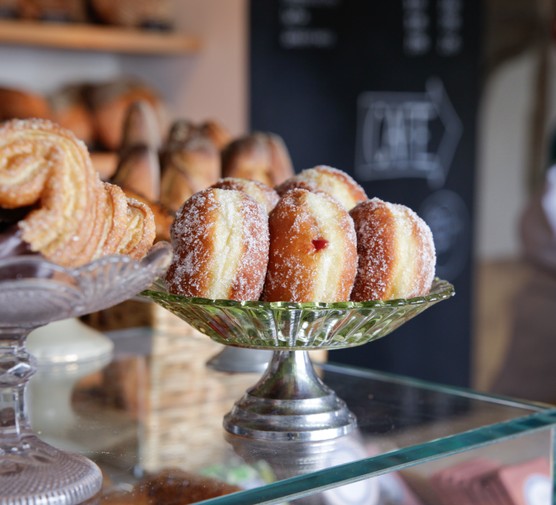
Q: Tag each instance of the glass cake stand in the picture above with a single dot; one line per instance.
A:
(34, 292)
(290, 402)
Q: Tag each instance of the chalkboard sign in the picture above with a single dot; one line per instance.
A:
(388, 92)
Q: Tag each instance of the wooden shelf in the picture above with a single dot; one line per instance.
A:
(83, 37)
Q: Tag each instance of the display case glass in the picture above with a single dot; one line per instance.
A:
(157, 406)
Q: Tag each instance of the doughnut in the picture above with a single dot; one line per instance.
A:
(73, 217)
(313, 250)
(220, 241)
(396, 252)
(260, 192)
(330, 180)
(258, 156)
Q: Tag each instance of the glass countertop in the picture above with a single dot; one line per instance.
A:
(155, 405)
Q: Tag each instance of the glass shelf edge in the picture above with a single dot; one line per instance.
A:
(441, 388)
(348, 473)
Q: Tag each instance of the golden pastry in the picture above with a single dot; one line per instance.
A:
(109, 103)
(184, 129)
(259, 156)
(188, 168)
(75, 217)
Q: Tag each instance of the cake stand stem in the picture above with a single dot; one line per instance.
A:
(16, 368)
(31, 471)
(290, 402)
(290, 375)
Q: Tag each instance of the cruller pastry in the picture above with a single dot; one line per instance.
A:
(74, 217)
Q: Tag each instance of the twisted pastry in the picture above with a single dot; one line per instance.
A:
(75, 217)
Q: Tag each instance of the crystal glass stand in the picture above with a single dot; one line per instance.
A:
(34, 292)
(290, 402)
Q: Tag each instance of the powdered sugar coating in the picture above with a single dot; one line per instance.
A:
(332, 181)
(221, 240)
(257, 190)
(313, 253)
(397, 258)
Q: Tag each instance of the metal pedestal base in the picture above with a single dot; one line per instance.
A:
(290, 402)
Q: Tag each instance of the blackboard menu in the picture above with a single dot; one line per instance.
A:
(388, 92)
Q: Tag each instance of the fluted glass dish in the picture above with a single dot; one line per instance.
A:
(290, 402)
(296, 326)
(34, 292)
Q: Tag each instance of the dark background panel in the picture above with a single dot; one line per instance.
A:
(313, 63)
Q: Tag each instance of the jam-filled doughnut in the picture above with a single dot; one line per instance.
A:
(313, 252)
(257, 190)
(396, 252)
(220, 240)
(330, 180)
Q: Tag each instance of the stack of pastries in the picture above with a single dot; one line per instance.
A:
(53, 203)
(165, 172)
(315, 237)
(94, 112)
(244, 226)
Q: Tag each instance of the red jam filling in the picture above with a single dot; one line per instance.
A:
(319, 244)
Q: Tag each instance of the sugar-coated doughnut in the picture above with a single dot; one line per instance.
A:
(313, 251)
(396, 252)
(330, 180)
(257, 190)
(220, 240)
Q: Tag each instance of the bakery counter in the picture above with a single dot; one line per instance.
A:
(149, 414)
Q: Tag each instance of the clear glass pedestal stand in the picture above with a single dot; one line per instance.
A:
(33, 293)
